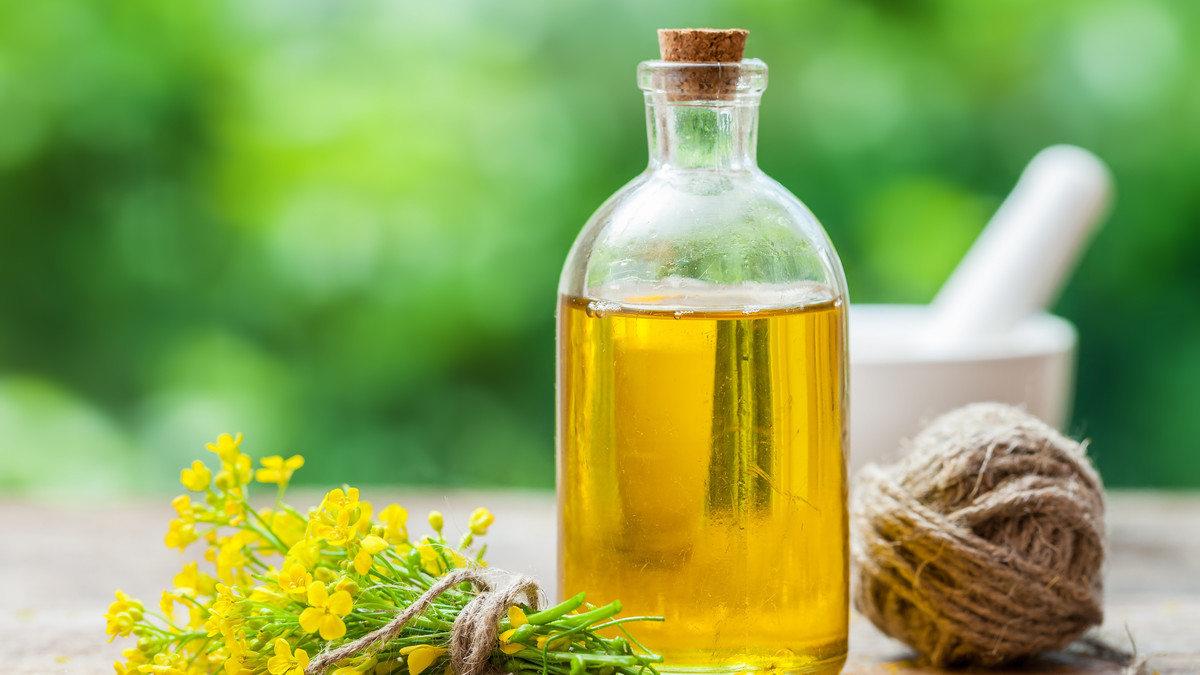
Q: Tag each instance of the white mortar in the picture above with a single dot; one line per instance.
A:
(897, 384)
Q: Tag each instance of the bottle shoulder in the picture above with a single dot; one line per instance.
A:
(715, 228)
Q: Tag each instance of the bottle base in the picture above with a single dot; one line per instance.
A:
(832, 665)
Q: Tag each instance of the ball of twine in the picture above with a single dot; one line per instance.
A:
(984, 544)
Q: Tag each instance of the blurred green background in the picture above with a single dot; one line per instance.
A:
(337, 226)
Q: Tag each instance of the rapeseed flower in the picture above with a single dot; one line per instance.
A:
(299, 583)
(431, 559)
(285, 661)
(371, 545)
(338, 500)
(325, 611)
(194, 582)
(239, 659)
(508, 647)
(294, 579)
(480, 520)
(278, 470)
(123, 615)
(420, 657)
(339, 532)
(226, 447)
(196, 478)
(165, 664)
(394, 518)
(180, 533)
(288, 527)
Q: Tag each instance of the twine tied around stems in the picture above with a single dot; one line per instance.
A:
(475, 630)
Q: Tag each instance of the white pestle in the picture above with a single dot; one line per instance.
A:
(1020, 261)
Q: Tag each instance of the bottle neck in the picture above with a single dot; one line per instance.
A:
(705, 135)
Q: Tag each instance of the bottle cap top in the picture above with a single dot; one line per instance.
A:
(702, 45)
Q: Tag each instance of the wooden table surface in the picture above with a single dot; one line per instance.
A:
(59, 565)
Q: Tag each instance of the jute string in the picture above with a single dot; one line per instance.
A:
(984, 544)
(474, 632)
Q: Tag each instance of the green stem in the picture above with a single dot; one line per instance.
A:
(560, 610)
(593, 616)
(597, 659)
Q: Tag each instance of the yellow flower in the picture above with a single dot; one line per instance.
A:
(182, 530)
(436, 521)
(235, 667)
(167, 603)
(240, 656)
(339, 533)
(183, 506)
(357, 665)
(340, 500)
(509, 647)
(278, 470)
(196, 478)
(221, 619)
(179, 534)
(164, 665)
(556, 645)
(226, 447)
(420, 657)
(394, 518)
(294, 579)
(194, 582)
(285, 662)
(235, 473)
(232, 557)
(306, 552)
(235, 509)
(287, 526)
(516, 617)
(325, 612)
(122, 614)
(480, 521)
(363, 524)
(366, 555)
(135, 657)
(431, 558)
(243, 467)
(457, 558)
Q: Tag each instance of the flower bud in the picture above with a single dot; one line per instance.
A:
(481, 519)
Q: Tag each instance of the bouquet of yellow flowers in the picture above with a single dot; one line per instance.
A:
(340, 588)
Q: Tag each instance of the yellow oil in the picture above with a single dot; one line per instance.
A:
(702, 479)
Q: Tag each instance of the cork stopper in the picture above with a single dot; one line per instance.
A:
(722, 48)
(702, 45)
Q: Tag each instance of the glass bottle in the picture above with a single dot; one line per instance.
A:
(702, 395)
